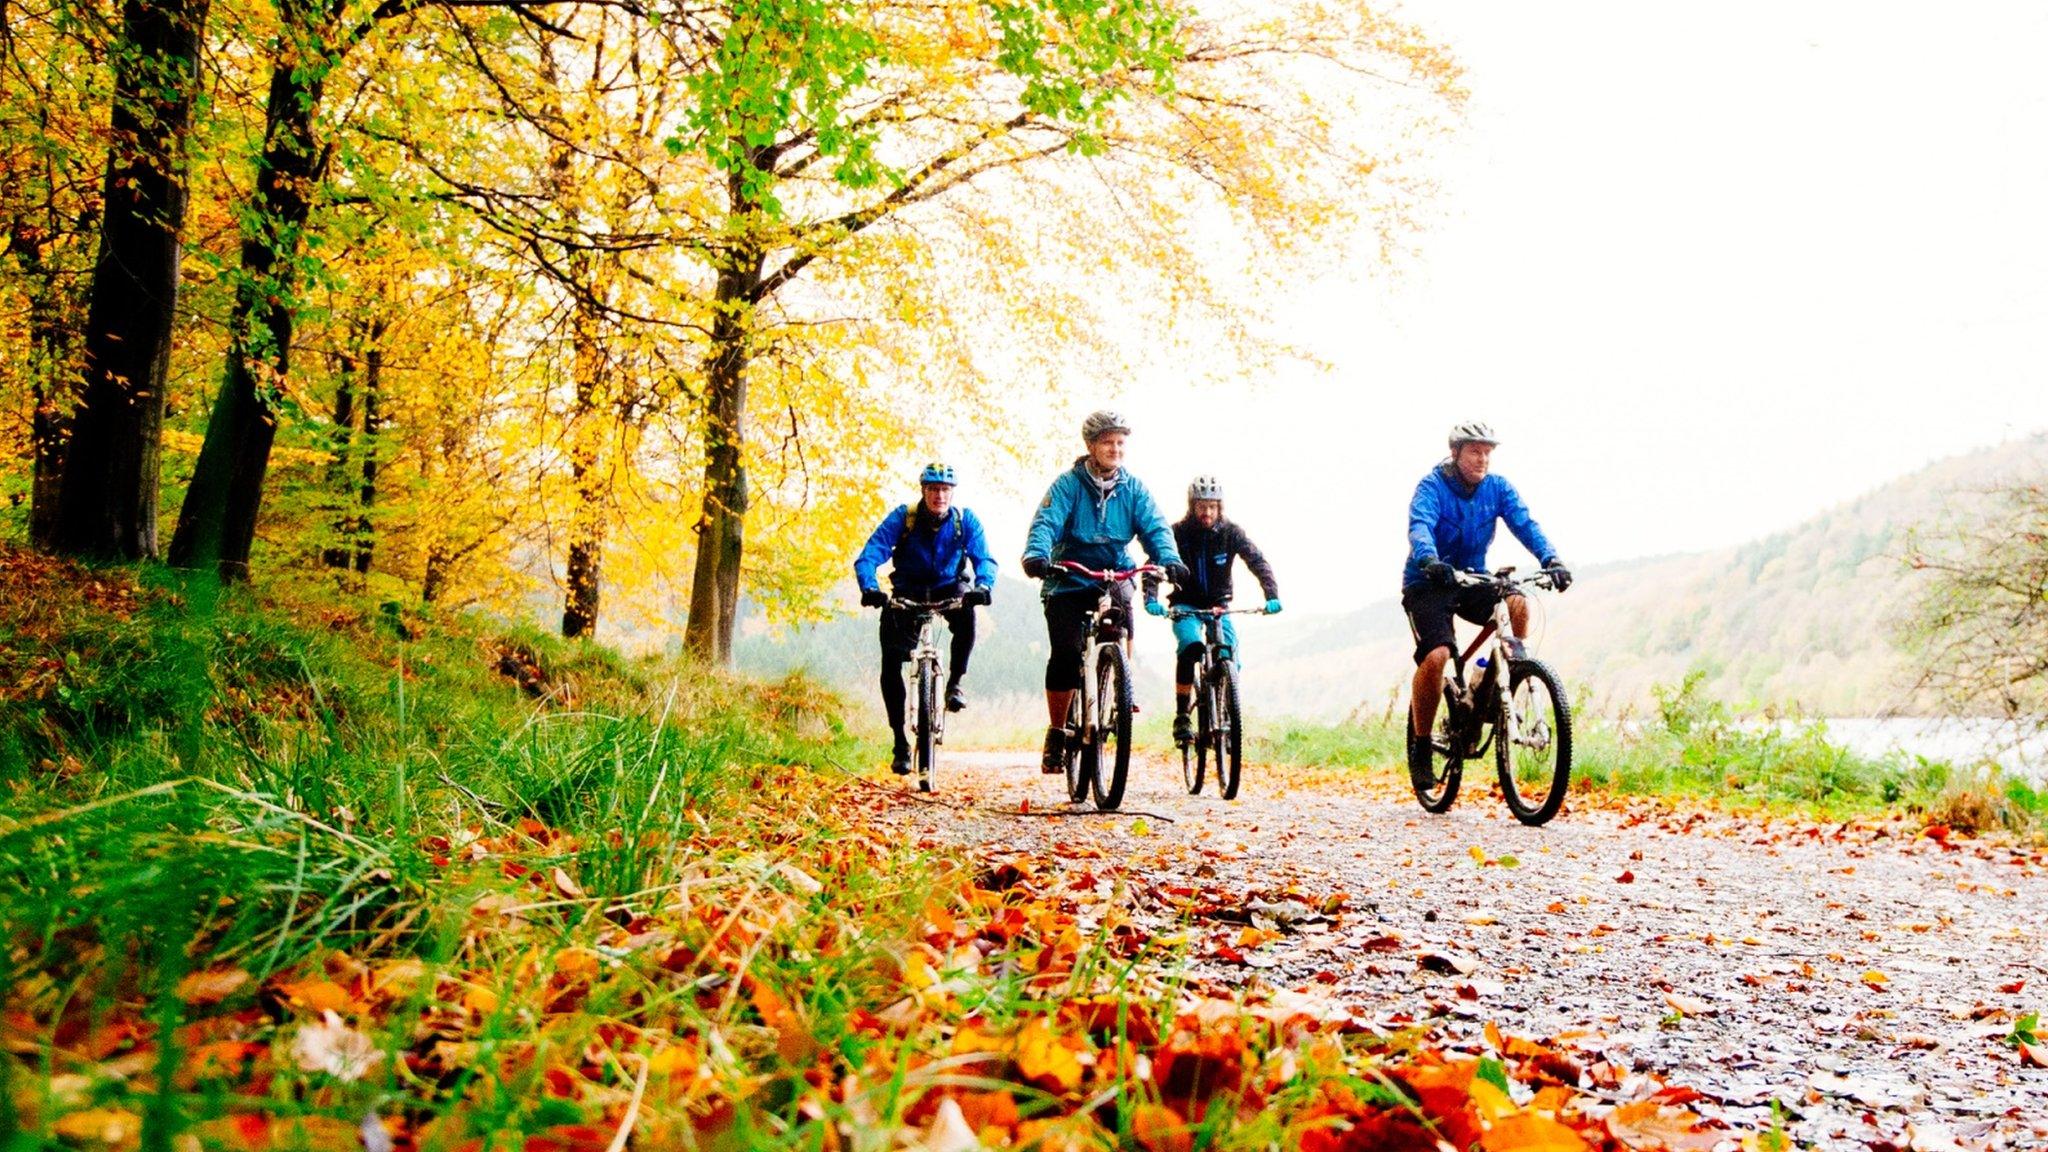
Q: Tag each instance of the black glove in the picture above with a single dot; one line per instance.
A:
(974, 596)
(1438, 572)
(874, 598)
(1035, 567)
(1178, 573)
(1560, 576)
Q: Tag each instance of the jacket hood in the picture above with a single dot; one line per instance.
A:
(1451, 476)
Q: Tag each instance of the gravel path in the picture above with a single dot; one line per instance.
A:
(1861, 977)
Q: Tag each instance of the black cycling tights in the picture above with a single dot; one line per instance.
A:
(1184, 665)
(897, 640)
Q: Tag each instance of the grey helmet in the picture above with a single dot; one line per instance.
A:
(1471, 432)
(1205, 488)
(1102, 422)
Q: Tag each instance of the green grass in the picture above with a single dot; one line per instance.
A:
(1696, 748)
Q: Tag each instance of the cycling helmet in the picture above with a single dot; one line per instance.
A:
(1205, 488)
(937, 473)
(1472, 432)
(1100, 423)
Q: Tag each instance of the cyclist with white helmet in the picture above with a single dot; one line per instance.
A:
(937, 552)
(1451, 522)
(1090, 515)
(1208, 544)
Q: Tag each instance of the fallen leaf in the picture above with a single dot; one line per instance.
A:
(211, 986)
(106, 1125)
(333, 1047)
(1528, 1132)
(1140, 828)
(1875, 979)
(1689, 1005)
(949, 1131)
(1649, 1124)
(1626, 877)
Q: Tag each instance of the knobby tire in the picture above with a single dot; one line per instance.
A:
(1540, 755)
(927, 724)
(1112, 743)
(1229, 733)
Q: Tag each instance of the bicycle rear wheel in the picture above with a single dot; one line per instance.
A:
(1079, 761)
(1112, 743)
(927, 722)
(1533, 746)
(1229, 732)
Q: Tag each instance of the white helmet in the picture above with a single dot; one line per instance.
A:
(1471, 432)
(1101, 423)
(1205, 488)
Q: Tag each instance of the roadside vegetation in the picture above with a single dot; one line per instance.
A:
(1697, 748)
(288, 870)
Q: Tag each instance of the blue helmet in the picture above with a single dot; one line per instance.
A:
(937, 473)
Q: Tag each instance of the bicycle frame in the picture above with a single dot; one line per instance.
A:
(1091, 648)
(1497, 639)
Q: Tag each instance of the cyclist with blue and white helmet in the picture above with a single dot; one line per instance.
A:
(1090, 515)
(937, 552)
(1451, 522)
(1210, 546)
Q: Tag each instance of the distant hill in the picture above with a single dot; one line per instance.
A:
(1804, 618)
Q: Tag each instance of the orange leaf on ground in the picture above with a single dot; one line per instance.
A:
(1646, 1124)
(1158, 1128)
(1047, 1059)
(318, 996)
(104, 1125)
(1528, 1132)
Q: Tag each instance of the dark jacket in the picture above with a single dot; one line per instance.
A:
(928, 559)
(1208, 552)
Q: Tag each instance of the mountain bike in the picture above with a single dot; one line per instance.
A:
(1528, 727)
(929, 720)
(1219, 723)
(1098, 756)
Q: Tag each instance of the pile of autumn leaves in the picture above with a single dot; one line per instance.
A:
(755, 1002)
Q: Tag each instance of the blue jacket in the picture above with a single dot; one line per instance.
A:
(1451, 521)
(929, 562)
(1078, 521)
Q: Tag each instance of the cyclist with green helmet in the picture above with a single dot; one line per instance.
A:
(1451, 522)
(1090, 515)
(1209, 544)
(937, 552)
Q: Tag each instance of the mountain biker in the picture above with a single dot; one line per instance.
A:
(937, 552)
(1451, 522)
(1208, 543)
(1091, 512)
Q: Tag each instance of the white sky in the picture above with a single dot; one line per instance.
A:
(1707, 272)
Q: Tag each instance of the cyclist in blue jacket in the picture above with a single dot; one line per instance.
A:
(1090, 515)
(1451, 523)
(938, 552)
(1210, 545)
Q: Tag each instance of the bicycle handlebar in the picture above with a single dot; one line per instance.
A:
(1189, 613)
(1106, 575)
(1505, 580)
(924, 605)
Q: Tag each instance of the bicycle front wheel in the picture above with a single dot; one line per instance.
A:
(1229, 733)
(1533, 743)
(1194, 754)
(927, 723)
(1112, 744)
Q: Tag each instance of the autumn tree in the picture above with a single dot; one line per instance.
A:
(832, 122)
(52, 130)
(1980, 626)
(107, 506)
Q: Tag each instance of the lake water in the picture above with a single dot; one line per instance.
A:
(1961, 742)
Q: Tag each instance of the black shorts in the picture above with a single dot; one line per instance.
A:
(1429, 608)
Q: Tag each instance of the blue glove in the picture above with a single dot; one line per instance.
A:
(1154, 608)
(1272, 607)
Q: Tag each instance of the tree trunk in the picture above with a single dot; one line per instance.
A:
(373, 423)
(107, 504)
(217, 524)
(586, 470)
(339, 483)
(49, 372)
(721, 530)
